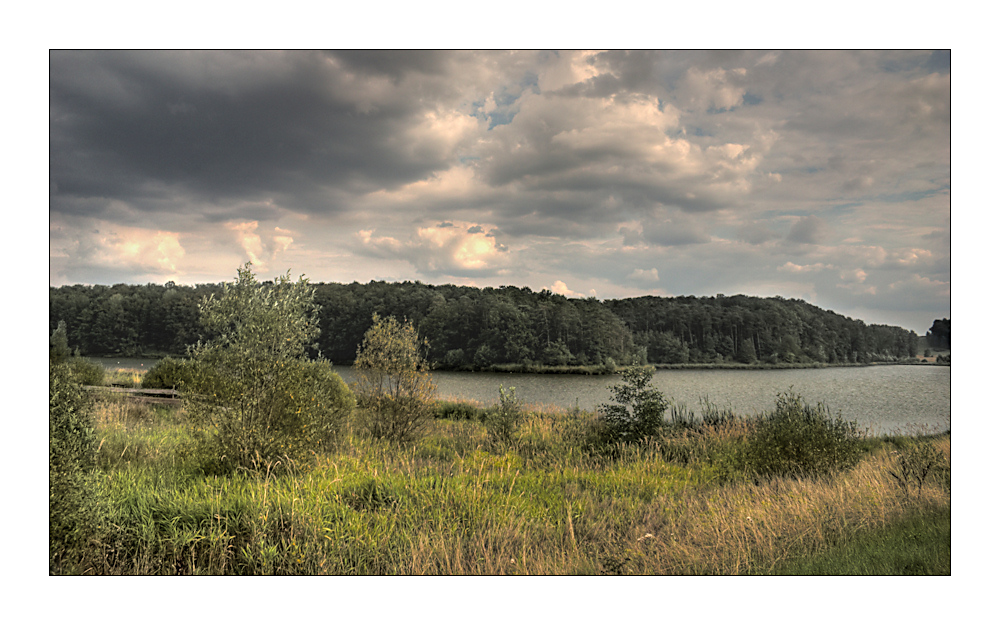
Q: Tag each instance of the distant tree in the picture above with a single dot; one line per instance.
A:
(940, 334)
(746, 354)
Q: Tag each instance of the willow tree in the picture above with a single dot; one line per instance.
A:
(393, 385)
(257, 400)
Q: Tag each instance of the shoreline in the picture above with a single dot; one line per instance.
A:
(603, 370)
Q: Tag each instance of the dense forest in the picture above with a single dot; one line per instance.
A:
(470, 327)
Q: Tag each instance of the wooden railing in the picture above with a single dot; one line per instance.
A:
(157, 395)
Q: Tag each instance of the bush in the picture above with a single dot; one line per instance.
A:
(394, 388)
(255, 400)
(638, 410)
(502, 420)
(73, 505)
(914, 463)
(86, 372)
(799, 440)
(168, 373)
(457, 410)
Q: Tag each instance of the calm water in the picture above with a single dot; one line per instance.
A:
(887, 399)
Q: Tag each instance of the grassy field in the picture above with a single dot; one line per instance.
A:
(456, 502)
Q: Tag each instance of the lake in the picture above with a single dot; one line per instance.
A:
(887, 399)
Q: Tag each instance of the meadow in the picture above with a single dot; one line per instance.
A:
(548, 499)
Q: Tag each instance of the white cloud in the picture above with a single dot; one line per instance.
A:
(567, 68)
(793, 268)
(260, 251)
(453, 248)
(559, 287)
(714, 89)
(645, 275)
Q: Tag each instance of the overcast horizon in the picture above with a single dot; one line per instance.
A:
(823, 176)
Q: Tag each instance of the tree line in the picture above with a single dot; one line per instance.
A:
(476, 328)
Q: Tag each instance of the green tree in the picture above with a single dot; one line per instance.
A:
(747, 354)
(393, 386)
(502, 420)
(59, 344)
(638, 408)
(256, 399)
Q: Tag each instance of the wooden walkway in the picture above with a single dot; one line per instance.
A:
(151, 395)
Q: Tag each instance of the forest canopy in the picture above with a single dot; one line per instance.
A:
(477, 328)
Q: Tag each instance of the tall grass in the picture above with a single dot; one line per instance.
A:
(451, 502)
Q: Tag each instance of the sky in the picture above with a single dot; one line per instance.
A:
(817, 175)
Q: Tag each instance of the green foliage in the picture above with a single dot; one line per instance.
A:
(638, 409)
(59, 344)
(939, 335)
(86, 372)
(393, 386)
(457, 410)
(797, 439)
(73, 505)
(255, 399)
(169, 373)
(503, 419)
(81, 370)
(747, 354)
(446, 505)
(468, 327)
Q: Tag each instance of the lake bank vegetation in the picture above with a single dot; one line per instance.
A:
(457, 500)
(503, 329)
(271, 465)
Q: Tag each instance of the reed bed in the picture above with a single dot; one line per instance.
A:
(457, 502)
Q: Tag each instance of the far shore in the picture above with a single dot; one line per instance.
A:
(608, 370)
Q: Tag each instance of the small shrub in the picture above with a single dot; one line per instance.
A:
(168, 373)
(798, 439)
(638, 409)
(503, 419)
(457, 410)
(86, 372)
(915, 462)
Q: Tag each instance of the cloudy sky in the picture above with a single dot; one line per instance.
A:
(824, 176)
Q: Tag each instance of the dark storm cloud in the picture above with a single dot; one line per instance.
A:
(145, 125)
(394, 63)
